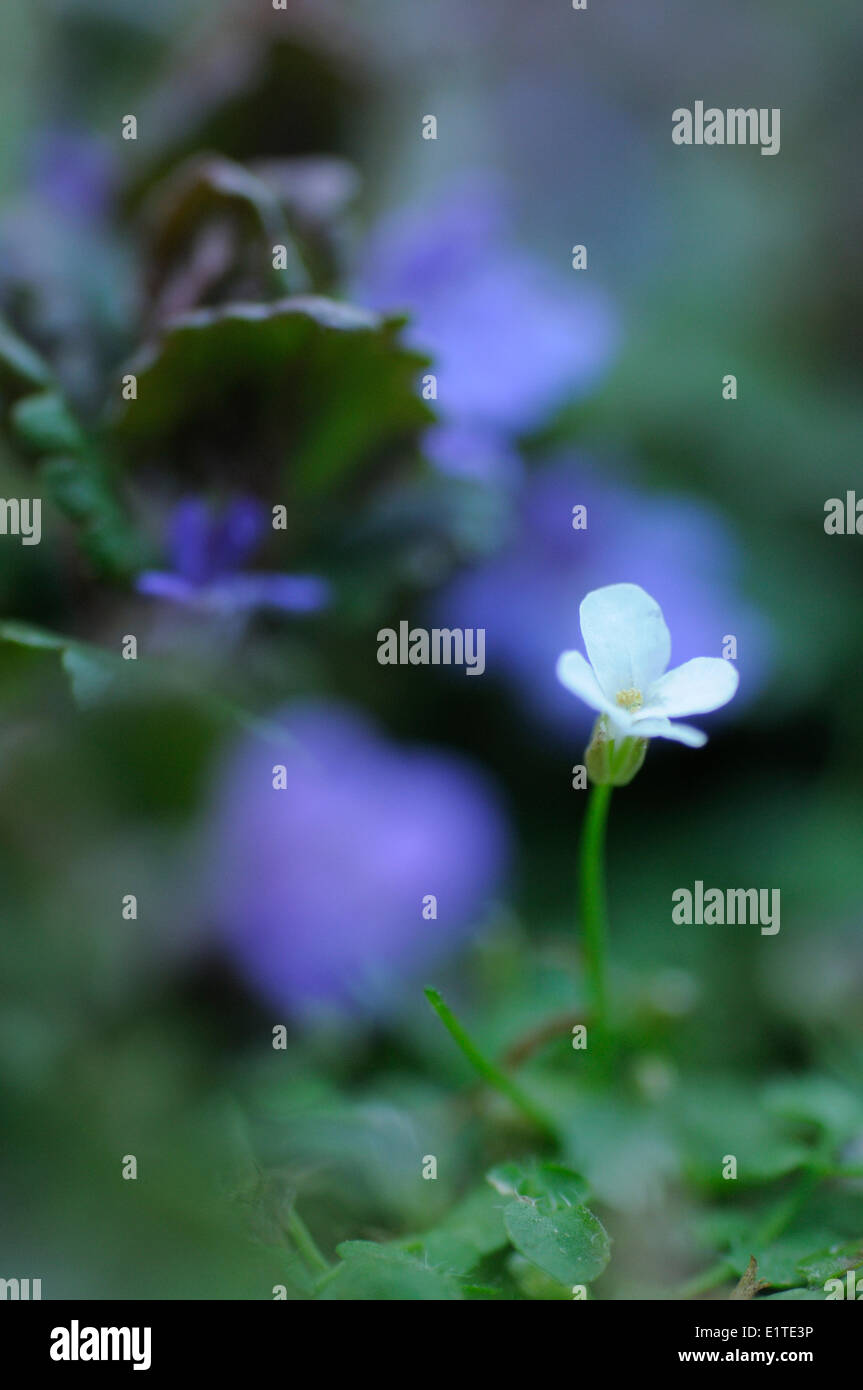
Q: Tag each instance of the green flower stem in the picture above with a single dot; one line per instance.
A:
(305, 1243)
(593, 910)
(486, 1069)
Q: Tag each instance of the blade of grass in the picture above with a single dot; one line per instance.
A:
(486, 1069)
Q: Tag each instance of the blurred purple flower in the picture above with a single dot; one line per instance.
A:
(527, 596)
(66, 282)
(510, 340)
(208, 553)
(317, 890)
(72, 173)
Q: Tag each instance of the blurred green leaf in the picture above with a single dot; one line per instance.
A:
(834, 1109)
(90, 670)
(830, 1264)
(471, 1230)
(719, 1118)
(370, 1271)
(780, 1264)
(534, 1283)
(308, 388)
(45, 423)
(81, 489)
(795, 1295)
(21, 367)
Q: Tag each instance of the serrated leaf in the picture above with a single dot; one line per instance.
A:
(570, 1244)
(371, 1272)
(311, 387)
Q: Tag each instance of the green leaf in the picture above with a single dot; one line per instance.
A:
(797, 1295)
(534, 1283)
(371, 1272)
(90, 669)
(832, 1263)
(308, 387)
(80, 489)
(556, 1185)
(77, 482)
(471, 1230)
(21, 367)
(789, 1260)
(570, 1244)
(623, 1149)
(91, 674)
(45, 423)
(818, 1100)
(719, 1118)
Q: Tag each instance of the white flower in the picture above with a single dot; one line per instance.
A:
(629, 648)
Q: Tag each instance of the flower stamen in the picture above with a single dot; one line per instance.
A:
(630, 699)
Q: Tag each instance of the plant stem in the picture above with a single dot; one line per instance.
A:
(305, 1243)
(593, 909)
(718, 1273)
(486, 1069)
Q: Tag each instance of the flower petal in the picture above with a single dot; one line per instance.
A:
(190, 540)
(293, 593)
(575, 673)
(165, 584)
(626, 638)
(696, 687)
(663, 728)
(236, 535)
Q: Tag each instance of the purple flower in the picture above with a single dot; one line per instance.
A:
(73, 174)
(510, 340)
(527, 597)
(208, 552)
(318, 890)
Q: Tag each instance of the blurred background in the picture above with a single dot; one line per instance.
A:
(167, 379)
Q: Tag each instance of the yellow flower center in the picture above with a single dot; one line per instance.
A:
(629, 699)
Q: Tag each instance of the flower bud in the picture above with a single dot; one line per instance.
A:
(611, 761)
